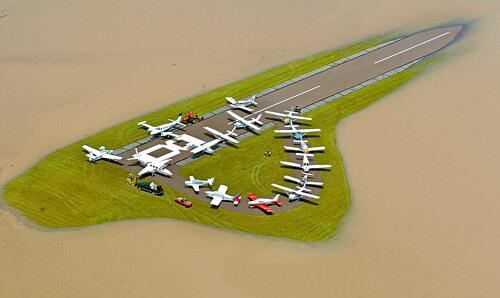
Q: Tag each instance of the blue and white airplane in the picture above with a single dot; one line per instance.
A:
(295, 132)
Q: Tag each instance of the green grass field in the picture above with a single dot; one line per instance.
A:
(64, 190)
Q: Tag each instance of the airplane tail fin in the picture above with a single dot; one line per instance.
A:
(211, 181)
(252, 99)
(231, 132)
(257, 119)
(251, 196)
(276, 200)
(231, 100)
(90, 156)
(236, 199)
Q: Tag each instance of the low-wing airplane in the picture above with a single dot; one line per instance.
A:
(154, 130)
(242, 104)
(296, 133)
(296, 194)
(219, 137)
(220, 195)
(304, 180)
(241, 122)
(304, 147)
(289, 116)
(196, 183)
(151, 166)
(103, 153)
(263, 203)
(305, 166)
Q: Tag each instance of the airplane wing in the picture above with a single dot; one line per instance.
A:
(299, 117)
(320, 166)
(205, 146)
(276, 114)
(231, 100)
(291, 164)
(316, 149)
(242, 107)
(289, 148)
(308, 195)
(221, 135)
(314, 183)
(196, 187)
(91, 150)
(264, 208)
(216, 200)
(241, 119)
(147, 169)
(111, 156)
(297, 130)
(222, 189)
(292, 179)
(144, 124)
(284, 188)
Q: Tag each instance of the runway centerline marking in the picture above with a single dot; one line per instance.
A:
(279, 102)
(410, 48)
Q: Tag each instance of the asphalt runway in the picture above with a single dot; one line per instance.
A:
(303, 93)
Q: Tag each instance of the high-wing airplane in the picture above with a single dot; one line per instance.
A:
(241, 122)
(263, 203)
(242, 104)
(295, 132)
(154, 130)
(304, 147)
(305, 166)
(290, 115)
(296, 194)
(151, 166)
(304, 180)
(103, 153)
(219, 137)
(220, 195)
(196, 183)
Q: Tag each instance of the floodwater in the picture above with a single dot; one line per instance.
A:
(423, 162)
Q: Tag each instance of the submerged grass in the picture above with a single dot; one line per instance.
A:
(63, 190)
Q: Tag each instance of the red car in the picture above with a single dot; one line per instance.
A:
(184, 202)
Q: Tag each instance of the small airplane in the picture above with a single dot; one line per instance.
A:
(289, 116)
(305, 166)
(103, 153)
(304, 180)
(219, 137)
(196, 183)
(263, 203)
(160, 129)
(297, 134)
(304, 148)
(296, 194)
(241, 122)
(220, 195)
(151, 166)
(242, 104)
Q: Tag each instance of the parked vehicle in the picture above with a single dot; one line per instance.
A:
(184, 202)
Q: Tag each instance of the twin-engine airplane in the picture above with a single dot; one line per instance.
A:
(304, 147)
(151, 166)
(305, 166)
(304, 180)
(242, 104)
(196, 183)
(240, 122)
(296, 194)
(160, 129)
(103, 153)
(220, 196)
(219, 137)
(289, 116)
(263, 203)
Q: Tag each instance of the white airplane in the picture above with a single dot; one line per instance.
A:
(296, 194)
(160, 129)
(242, 104)
(196, 183)
(94, 154)
(305, 166)
(304, 147)
(295, 132)
(220, 195)
(290, 115)
(241, 122)
(151, 165)
(304, 180)
(219, 137)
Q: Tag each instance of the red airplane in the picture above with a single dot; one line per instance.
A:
(263, 203)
